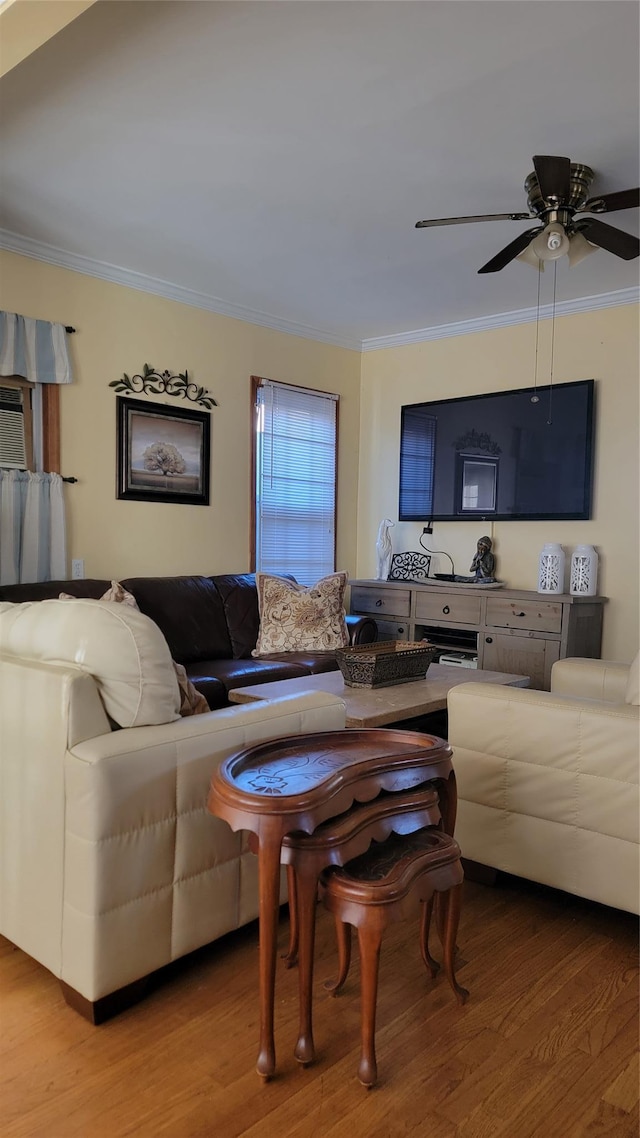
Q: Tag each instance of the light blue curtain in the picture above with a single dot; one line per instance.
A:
(34, 349)
(33, 545)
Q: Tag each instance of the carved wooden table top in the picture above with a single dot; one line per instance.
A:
(304, 779)
(296, 783)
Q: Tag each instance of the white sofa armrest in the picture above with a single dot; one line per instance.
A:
(150, 874)
(591, 679)
(548, 788)
(111, 865)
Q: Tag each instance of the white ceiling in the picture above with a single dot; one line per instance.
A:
(275, 156)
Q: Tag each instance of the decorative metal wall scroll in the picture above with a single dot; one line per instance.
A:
(409, 567)
(153, 382)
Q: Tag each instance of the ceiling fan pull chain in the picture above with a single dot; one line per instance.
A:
(553, 337)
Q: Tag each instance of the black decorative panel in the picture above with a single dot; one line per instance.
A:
(410, 567)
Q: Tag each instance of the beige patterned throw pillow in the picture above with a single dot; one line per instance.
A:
(294, 618)
(192, 702)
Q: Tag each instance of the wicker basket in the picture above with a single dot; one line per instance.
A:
(380, 665)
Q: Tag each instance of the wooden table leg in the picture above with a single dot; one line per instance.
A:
(452, 899)
(268, 901)
(425, 927)
(290, 957)
(370, 941)
(306, 901)
(448, 794)
(343, 941)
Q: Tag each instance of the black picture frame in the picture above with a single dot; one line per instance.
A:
(182, 438)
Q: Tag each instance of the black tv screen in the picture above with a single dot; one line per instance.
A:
(525, 454)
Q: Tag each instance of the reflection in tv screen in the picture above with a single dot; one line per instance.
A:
(525, 454)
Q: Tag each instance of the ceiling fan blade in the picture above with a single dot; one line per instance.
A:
(609, 203)
(477, 217)
(510, 251)
(554, 176)
(615, 241)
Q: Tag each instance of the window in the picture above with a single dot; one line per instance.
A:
(295, 447)
(417, 464)
(29, 424)
(477, 483)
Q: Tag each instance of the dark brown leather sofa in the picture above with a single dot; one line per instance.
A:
(211, 625)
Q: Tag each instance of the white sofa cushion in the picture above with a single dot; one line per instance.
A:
(192, 702)
(632, 694)
(121, 648)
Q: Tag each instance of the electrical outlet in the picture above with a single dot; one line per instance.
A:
(77, 569)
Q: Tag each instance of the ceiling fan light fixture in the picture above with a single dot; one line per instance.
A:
(579, 248)
(552, 243)
(530, 257)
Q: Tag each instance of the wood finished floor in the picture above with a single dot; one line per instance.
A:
(547, 1044)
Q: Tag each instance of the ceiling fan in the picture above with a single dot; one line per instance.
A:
(557, 190)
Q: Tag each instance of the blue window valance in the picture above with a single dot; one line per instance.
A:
(34, 349)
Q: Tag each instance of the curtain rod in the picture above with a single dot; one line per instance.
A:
(68, 328)
(69, 479)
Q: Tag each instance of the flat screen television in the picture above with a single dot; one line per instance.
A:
(523, 455)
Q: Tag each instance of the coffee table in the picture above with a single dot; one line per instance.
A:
(379, 707)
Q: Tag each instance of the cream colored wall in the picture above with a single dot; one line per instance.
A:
(120, 329)
(26, 24)
(602, 345)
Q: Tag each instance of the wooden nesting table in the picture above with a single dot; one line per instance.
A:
(290, 785)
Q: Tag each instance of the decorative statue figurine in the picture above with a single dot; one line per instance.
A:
(484, 563)
(384, 549)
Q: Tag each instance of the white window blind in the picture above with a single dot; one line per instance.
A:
(296, 433)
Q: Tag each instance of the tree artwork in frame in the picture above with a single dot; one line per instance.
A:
(163, 453)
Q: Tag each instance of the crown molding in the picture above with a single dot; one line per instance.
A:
(41, 251)
(50, 254)
(504, 319)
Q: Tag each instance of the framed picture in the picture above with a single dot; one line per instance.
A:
(163, 452)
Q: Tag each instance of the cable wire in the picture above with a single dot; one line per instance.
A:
(437, 551)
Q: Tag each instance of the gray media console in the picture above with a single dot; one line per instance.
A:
(508, 630)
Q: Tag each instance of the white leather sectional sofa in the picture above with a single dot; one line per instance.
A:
(548, 781)
(111, 866)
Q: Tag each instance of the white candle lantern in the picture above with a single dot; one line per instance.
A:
(551, 568)
(584, 571)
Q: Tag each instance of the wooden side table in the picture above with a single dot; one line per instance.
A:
(295, 784)
(334, 843)
(389, 882)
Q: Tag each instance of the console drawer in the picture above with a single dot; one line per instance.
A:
(543, 616)
(392, 630)
(381, 602)
(447, 606)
